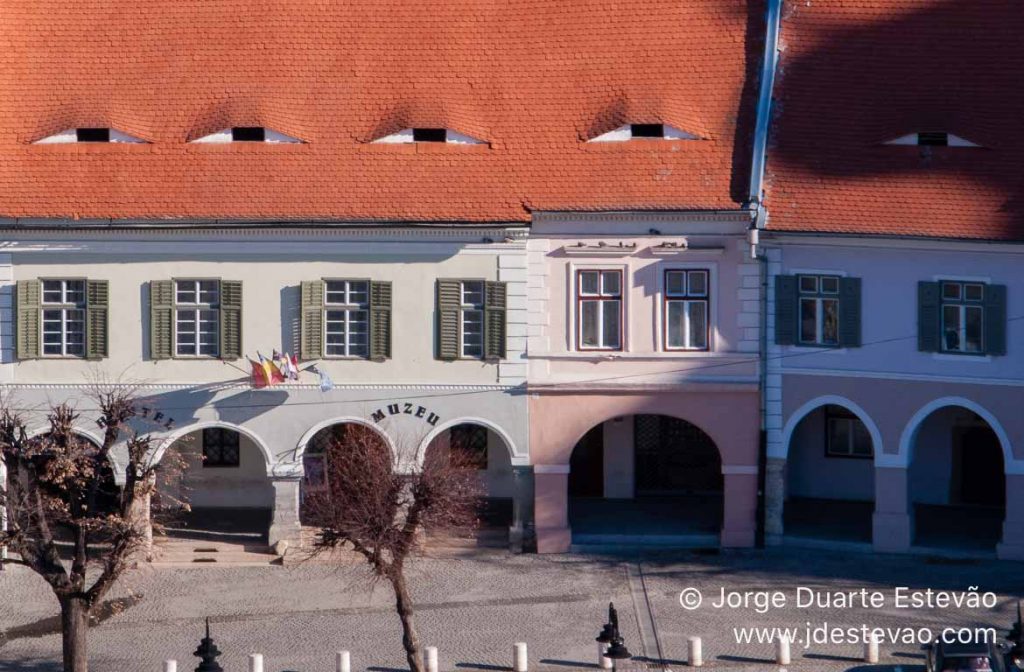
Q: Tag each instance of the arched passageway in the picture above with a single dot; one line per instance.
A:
(829, 479)
(646, 478)
(956, 481)
(212, 484)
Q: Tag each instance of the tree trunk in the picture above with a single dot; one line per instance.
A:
(403, 605)
(74, 626)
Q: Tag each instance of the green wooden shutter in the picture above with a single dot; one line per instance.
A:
(161, 319)
(28, 319)
(929, 338)
(494, 320)
(995, 319)
(97, 306)
(311, 327)
(449, 312)
(380, 321)
(849, 312)
(785, 309)
(230, 319)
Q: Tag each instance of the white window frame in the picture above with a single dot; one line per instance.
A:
(347, 307)
(577, 298)
(471, 308)
(686, 300)
(197, 308)
(659, 319)
(852, 420)
(64, 305)
(819, 297)
(963, 304)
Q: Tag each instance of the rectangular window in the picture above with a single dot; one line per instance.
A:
(845, 434)
(963, 317)
(197, 318)
(248, 134)
(63, 316)
(346, 318)
(220, 447)
(819, 309)
(599, 310)
(686, 310)
(471, 338)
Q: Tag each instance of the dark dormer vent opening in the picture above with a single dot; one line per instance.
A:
(92, 134)
(248, 134)
(933, 139)
(429, 135)
(647, 130)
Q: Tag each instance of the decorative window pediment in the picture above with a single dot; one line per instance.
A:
(92, 134)
(644, 132)
(247, 134)
(932, 139)
(439, 135)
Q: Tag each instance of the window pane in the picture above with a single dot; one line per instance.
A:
(839, 436)
(358, 333)
(675, 282)
(335, 291)
(74, 291)
(358, 293)
(951, 327)
(808, 320)
(830, 322)
(186, 291)
(829, 285)
(472, 293)
(186, 332)
(972, 328)
(74, 332)
(209, 332)
(698, 283)
(974, 292)
(589, 324)
(52, 332)
(698, 324)
(52, 291)
(612, 323)
(809, 284)
(472, 333)
(588, 282)
(861, 439)
(335, 333)
(951, 290)
(676, 324)
(208, 290)
(611, 283)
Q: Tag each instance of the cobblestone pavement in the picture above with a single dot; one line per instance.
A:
(474, 607)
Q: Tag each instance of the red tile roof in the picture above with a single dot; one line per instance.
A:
(531, 77)
(857, 73)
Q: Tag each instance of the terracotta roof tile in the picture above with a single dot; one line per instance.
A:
(857, 73)
(530, 77)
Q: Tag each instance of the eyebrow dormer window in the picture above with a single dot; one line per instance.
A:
(932, 139)
(89, 134)
(439, 135)
(247, 134)
(644, 132)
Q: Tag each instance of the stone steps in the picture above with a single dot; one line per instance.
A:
(188, 552)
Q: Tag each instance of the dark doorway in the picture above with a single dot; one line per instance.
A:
(586, 466)
(674, 457)
(981, 467)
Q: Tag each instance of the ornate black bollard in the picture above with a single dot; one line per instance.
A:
(207, 653)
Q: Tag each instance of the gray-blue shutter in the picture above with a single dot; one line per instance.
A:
(849, 312)
(785, 309)
(929, 338)
(995, 319)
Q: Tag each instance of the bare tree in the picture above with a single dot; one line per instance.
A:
(65, 516)
(380, 511)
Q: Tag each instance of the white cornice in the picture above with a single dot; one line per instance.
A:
(785, 238)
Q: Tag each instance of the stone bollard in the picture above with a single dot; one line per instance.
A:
(871, 649)
(782, 650)
(170, 666)
(695, 657)
(430, 658)
(255, 662)
(344, 662)
(519, 659)
(603, 662)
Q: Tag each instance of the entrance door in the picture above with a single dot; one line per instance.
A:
(981, 468)
(586, 466)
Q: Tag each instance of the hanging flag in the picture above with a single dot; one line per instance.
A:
(293, 366)
(259, 374)
(273, 373)
(326, 384)
(281, 361)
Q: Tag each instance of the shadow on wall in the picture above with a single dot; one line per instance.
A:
(951, 67)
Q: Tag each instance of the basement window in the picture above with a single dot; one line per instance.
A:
(932, 139)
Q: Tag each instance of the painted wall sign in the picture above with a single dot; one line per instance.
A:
(406, 409)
